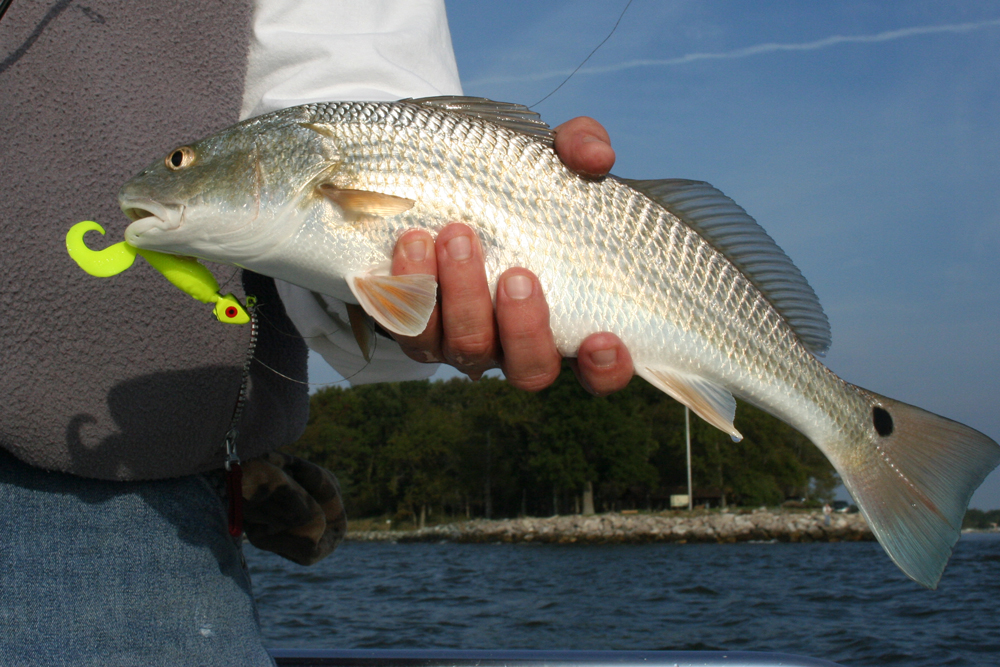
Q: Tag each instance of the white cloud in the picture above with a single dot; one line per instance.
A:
(758, 49)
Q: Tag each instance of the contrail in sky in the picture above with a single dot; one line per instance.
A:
(755, 50)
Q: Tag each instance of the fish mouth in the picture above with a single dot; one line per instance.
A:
(147, 215)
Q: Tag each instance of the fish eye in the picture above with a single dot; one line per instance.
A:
(180, 158)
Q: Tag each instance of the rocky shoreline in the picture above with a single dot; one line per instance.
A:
(679, 527)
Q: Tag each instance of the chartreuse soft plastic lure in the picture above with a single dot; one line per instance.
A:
(184, 272)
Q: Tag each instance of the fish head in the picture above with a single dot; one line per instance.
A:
(232, 196)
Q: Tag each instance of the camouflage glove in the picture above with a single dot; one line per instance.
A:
(292, 507)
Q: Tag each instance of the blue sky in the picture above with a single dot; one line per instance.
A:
(863, 136)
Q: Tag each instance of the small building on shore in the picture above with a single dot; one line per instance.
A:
(706, 498)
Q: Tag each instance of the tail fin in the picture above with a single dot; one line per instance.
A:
(915, 496)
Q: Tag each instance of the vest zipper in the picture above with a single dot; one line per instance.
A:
(234, 472)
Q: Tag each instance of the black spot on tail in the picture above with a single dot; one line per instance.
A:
(882, 421)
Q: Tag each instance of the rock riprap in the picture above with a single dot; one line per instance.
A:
(735, 526)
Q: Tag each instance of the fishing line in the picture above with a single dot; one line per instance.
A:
(229, 279)
(299, 336)
(627, 5)
(308, 384)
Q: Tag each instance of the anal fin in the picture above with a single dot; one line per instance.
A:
(708, 400)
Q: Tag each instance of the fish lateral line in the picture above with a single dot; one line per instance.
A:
(185, 273)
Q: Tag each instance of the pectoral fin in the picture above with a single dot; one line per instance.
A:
(356, 203)
(401, 304)
(363, 327)
(708, 400)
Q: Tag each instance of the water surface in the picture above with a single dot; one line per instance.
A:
(844, 602)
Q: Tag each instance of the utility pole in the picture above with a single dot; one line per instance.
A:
(687, 438)
(489, 482)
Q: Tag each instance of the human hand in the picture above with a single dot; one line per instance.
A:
(465, 332)
(292, 507)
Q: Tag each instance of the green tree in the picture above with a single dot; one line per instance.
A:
(501, 421)
(420, 460)
(460, 446)
(585, 438)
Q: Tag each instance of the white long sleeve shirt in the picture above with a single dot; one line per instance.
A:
(304, 51)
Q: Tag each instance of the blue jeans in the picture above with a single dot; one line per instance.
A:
(120, 573)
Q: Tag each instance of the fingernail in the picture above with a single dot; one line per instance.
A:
(604, 358)
(459, 248)
(518, 286)
(415, 251)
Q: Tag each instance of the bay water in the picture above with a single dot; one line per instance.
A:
(844, 602)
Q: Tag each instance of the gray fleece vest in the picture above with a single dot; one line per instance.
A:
(125, 377)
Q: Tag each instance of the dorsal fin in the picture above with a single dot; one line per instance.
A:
(723, 223)
(515, 117)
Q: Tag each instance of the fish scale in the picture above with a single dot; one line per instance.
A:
(707, 304)
(751, 376)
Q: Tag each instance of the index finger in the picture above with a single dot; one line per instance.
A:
(584, 146)
(414, 253)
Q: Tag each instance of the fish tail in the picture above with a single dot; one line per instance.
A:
(915, 495)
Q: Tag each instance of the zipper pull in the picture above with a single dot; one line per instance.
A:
(234, 485)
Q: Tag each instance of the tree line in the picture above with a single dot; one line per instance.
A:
(981, 520)
(483, 448)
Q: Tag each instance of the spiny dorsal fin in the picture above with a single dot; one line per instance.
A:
(723, 223)
(515, 117)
